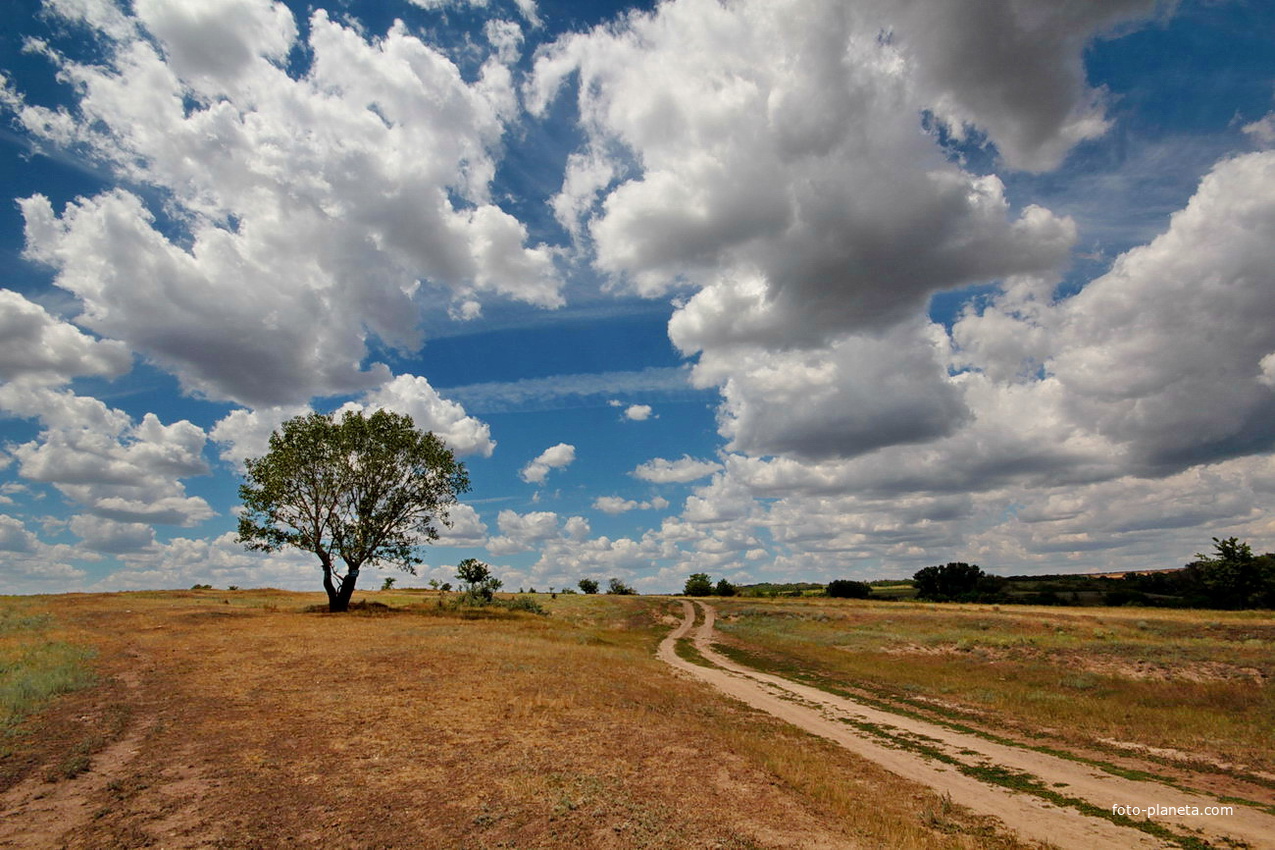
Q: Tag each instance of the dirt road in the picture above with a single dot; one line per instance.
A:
(1065, 800)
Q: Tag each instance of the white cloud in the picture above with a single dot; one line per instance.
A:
(245, 434)
(616, 505)
(467, 528)
(212, 45)
(29, 565)
(220, 561)
(526, 8)
(772, 162)
(554, 457)
(108, 536)
(359, 192)
(14, 536)
(856, 394)
(529, 531)
(661, 471)
(413, 395)
(37, 348)
(98, 457)
(638, 412)
(1162, 358)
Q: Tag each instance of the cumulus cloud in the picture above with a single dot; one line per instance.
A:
(312, 211)
(108, 536)
(533, 530)
(775, 164)
(554, 457)
(99, 457)
(1012, 69)
(854, 395)
(245, 433)
(30, 565)
(14, 536)
(686, 468)
(1164, 357)
(36, 347)
(413, 395)
(467, 528)
(637, 412)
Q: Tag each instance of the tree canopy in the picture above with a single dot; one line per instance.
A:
(364, 490)
(844, 588)
(956, 581)
(698, 584)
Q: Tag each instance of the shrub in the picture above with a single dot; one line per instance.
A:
(724, 588)
(589, 585)
(524, 603)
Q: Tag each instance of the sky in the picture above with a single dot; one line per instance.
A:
(774, 290)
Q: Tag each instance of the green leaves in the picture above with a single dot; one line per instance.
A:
(364, 490)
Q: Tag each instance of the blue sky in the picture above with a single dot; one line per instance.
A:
(776, 291)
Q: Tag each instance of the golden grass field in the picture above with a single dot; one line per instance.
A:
(239, 720)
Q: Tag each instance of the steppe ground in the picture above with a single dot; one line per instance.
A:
(242, 720)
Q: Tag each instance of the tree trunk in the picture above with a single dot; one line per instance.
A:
(340, 601)
(328, 586)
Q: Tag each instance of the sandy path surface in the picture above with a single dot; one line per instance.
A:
(1030, 816)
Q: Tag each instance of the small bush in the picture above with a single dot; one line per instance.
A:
(523, 603)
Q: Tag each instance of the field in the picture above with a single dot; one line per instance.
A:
(244, 720)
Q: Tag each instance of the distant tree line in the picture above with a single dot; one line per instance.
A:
(1232, 577)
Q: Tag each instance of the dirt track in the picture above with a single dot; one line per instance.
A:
(1029, 815)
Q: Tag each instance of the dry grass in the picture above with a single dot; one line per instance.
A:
(251, 724)
(1195, 682)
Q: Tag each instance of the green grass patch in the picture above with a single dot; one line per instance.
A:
(37, 674)
(34, 667)
(687, 651)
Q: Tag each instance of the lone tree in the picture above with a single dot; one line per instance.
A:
(362, 490)
(477, 581)
(589, 585)
(699, 584)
